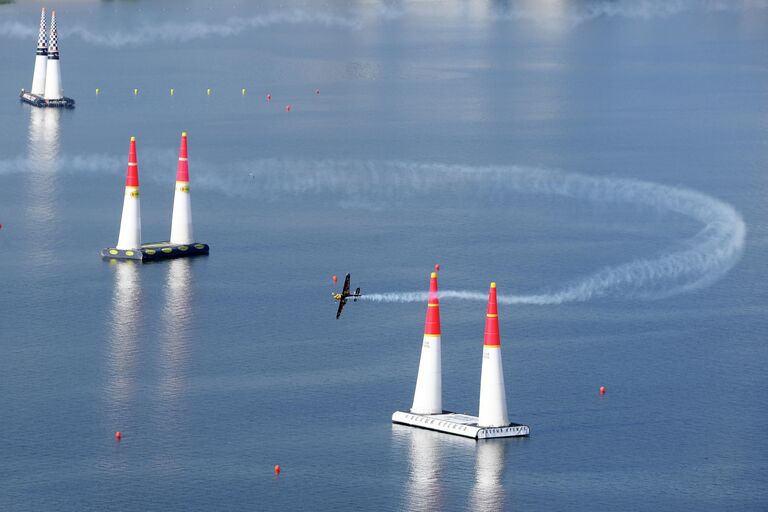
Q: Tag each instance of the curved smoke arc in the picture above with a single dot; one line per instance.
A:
(706, 256)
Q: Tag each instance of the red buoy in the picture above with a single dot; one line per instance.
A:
(602, 390)
(287, 108)
(437, 267)
(118, 435)
(335, 279)
(277, 469)
(269, 97)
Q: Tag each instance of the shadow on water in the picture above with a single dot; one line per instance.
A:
(428, 484)
(126, 319)
(176, 317)
(488, 490)
(42, 183)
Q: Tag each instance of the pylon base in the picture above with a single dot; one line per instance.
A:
(38, 101)
(458, 424)
(156, 252)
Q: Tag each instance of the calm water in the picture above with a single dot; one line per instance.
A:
(218, 368)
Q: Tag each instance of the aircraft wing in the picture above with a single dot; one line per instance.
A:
(341, 306)
(345, 291)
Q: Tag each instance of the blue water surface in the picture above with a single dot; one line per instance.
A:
(217, 368)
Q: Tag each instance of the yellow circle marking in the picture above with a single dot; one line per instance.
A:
(129, 253)
(183, 247)
(199, 246)
(112, 251)
(150, 251)
(166, 250)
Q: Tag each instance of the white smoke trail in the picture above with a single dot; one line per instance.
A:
(576, 13)
(184, 31)
(18, 30)
(709, 254)
(571, 15)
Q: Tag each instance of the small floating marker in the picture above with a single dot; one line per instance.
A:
(277, 469)
(602, 390)
(317, 91)
(118, 435)
(269, 98)
(172, 91)
(287, 108)
(209, 91)
(98, 91)
(242, 91)
(437, 267)
(335, 279)
(135, 92)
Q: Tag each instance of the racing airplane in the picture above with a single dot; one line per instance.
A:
(344, 295)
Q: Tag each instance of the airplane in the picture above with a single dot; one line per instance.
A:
(344, 295)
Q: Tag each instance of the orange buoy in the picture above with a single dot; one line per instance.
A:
(335, 279)
(287, 108)
(602, 390)
(269, 97)
(118, 435)
(277, 469)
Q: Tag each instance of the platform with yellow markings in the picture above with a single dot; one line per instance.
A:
(458, 424)
(156, 251)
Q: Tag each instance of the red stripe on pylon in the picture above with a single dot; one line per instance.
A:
(132, 176)
(432, 325)
(182, 171)
(492, 337)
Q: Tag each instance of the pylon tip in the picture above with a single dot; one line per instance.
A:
(133, 139)
(183, 134)
(432, 325)
(493, 285)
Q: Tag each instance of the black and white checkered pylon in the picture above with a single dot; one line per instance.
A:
(54, 39)
(41, 40)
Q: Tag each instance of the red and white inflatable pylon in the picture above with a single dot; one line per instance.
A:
(181, 222)
(493, 395)
(130, 224)
(428, 397)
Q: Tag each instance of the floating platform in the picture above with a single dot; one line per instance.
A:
(156, 252)
(39, 101)
(458, 424)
